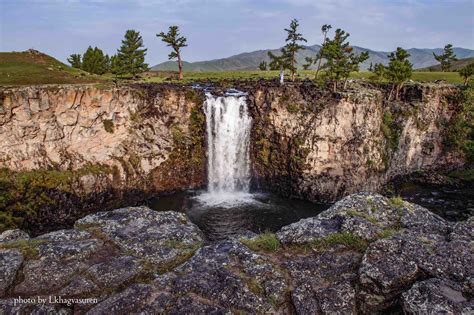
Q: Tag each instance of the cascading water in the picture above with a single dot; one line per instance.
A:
(227, 208)
(228, 138)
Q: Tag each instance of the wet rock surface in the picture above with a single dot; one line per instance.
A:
(366, 254)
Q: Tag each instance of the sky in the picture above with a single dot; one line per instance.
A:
(221, 28)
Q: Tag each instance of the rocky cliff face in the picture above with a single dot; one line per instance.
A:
(65, 150)
(97, 146)
(314, 145)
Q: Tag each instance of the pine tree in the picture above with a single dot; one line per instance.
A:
(340, 58)
(399, 69)
(75, 61)
(287, 58)
(130, 58)
(467, 72)
(263, 66)
(94, 61)
(175, 41)
(446, 59)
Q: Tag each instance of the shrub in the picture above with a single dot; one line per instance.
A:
(390, 130)
(108, 125)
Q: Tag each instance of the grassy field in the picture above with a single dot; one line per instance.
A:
(450, 77)
(29, 67)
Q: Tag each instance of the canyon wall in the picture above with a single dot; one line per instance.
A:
(69, 150)
(318, 145)
(87, 148)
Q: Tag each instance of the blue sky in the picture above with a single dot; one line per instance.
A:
(220, 28)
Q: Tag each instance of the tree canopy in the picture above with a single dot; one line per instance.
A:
(94, 61)
(75, 61)
(340, 58)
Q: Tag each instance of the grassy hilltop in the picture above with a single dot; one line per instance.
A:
(33, 67)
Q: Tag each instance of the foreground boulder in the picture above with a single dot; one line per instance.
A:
(366, 254)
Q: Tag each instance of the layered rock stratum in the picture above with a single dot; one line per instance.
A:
(366, 254)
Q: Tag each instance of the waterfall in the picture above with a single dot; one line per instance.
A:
(228, 138)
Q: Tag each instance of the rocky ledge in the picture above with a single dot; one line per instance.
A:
(366, 254)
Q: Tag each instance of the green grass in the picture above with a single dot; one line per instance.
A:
(366, 216)
(26, 68)
(28, 248)
(450, 77)
(346, 239)
(266, 242)
(396, 202)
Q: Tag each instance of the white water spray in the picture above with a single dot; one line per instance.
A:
(228, 139)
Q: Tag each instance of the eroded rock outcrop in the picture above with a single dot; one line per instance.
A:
(315, 145)
(84, 146)
(366, 254)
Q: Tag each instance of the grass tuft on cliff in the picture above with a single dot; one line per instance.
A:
(33, 67)
(266, 242)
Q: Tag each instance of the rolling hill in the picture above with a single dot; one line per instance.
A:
(421, 58)
(34, 67)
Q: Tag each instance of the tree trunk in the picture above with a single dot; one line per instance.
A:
(345, 83)
(466, 81)
(180, 67)
(293, 67)
(320, 58)
(334, 88)
(397, 92)
(391, 92)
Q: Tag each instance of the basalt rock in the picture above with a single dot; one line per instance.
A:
(366, 254)
(436, 296)
(82, 146)
(314, 144)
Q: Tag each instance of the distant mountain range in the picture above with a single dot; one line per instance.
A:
(420, 58)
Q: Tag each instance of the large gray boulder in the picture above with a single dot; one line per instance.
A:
(160, 237)
(365, 215)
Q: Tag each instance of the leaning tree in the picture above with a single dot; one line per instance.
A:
(446, 58)
(176, 42)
